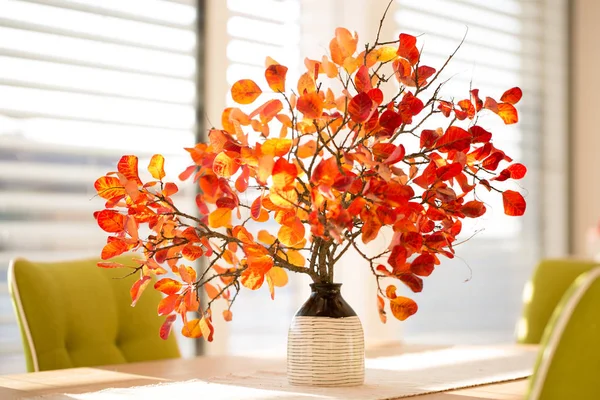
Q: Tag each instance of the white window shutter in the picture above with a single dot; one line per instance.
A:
(83, 82)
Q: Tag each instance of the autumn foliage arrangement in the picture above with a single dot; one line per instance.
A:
(327, 163)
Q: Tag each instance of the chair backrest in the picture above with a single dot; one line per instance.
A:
(568, 365)
(549, 282)
(75, 314)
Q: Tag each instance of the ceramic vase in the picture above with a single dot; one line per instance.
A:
(326, 341)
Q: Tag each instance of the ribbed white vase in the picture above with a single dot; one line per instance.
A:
(326, 341)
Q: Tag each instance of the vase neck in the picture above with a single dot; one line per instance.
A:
(326, 289)
(326, 301)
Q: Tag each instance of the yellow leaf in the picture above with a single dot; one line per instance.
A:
(157, 166)
(221, 217)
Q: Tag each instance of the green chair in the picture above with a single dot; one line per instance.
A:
(74, 314)
(568, 365)
(549, 282)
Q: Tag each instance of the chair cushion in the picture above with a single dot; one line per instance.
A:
(78, 314)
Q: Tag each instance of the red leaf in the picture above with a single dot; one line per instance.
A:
(360, 107)
(376, 95)
(256, 207)
(413, 282)
(480, 135)
(407, 48)
(390, 120)
(397, 259)
(429, 138)
(455, 138)
(165, 328)
(423, 73)
(362, 79)
(473, 209)
(514, 203)
(517, 170)
(512, 96)
(423, 265)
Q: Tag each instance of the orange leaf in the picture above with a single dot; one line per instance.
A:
(187, 274)
(191, 329)
(512, 96)
(276, 147)
(207, 329)
(157, 166)
(221, 217)
(192, 252)
(167, 304)
(128, 166)
(284, 174)
(275, 76)
(311, 105)
(508, 113)
(168, 286)
(265, 168)
(381, 309)
(227, 315)
(245, 91)
(114, 247)
(111, 221)
(165, 328)
(403, 307)
(514, 203)
(252, 279)
(138, 288)
(191, 300)
(265, 237)
(109, 265)
(284, 198)
(307, 149)
(279, 276)
(291, 235)
(211, 291)
(225, 164)
(343, 45)
(109, 188)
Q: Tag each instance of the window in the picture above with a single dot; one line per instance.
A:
(504, 47)
(81, 83)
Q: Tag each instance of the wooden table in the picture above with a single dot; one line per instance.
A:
(81, 380)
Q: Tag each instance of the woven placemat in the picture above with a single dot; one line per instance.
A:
(394, 377)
